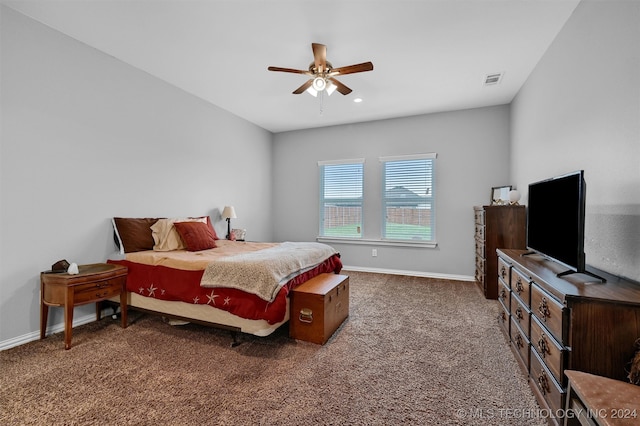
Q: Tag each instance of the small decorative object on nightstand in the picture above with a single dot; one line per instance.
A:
(92, 284)
(238, 234)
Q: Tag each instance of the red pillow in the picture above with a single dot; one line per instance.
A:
(215, 236)
(196, 235)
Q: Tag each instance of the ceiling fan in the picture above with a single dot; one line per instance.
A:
(323, 74)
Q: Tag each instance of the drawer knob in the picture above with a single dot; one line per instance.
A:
(543, 383)
(503, 272)
(503, 294)
(543, 346)
(519, 314)
(543, 309)
(519, 286)
(502, 317)
(519, 341)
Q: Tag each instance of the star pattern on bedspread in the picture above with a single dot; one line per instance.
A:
(141, 290)
(196, 300)
(227, 300)
(212, 298)
(152, 290)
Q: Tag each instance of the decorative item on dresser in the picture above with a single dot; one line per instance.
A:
(571, 322)
(496, 227)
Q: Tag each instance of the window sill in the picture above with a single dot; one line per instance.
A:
(370, 242)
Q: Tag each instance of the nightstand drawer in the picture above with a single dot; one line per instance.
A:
(92, 292)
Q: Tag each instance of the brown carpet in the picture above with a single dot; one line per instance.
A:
(413, 351)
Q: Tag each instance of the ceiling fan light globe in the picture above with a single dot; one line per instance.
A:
(313, 92)
(319, 84)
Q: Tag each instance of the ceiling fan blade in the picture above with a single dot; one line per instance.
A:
(291, 70)
(339, 86)
(319, 56)
(304, 87)
(351, 69)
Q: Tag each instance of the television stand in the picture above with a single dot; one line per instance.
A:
(554, 324)
(591, 274)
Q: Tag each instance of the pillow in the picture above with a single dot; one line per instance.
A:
(213, 230)
(134, 234)
(196, 235)
(165, 236)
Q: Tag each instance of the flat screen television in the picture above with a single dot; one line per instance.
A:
(555, 219)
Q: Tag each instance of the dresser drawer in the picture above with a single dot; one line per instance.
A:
(504, 294)
(549, 350)
(520, 342)
(480, 248)
(503, 320)
(504, 271)
(92, 292)
(480, 265)
(479, 216)
(520, 314)
(550, 313)
(479, 232)
(521, 286)
(546, 384)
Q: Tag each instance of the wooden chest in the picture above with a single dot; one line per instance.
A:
(318, 307)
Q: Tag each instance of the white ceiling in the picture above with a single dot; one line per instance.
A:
(429, 56)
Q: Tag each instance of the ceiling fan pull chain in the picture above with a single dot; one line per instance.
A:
(321, 96)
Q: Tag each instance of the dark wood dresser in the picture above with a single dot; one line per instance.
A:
(496, 227)
(570, 323)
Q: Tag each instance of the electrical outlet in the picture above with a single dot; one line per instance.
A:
(374, 252)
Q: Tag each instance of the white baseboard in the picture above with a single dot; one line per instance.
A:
(410, 273)
(35, 335)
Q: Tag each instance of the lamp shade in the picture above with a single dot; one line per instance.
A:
(514, 196)
(229, 212)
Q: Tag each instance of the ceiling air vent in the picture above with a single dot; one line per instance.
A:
(492, 79)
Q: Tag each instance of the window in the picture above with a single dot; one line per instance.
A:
(341, 185)
(408, 198)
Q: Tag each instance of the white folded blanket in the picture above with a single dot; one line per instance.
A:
(264, 272)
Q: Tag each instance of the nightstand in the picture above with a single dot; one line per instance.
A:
(93, 283)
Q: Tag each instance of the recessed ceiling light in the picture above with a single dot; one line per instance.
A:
(357, 100)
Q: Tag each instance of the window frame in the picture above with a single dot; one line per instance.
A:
(322, 200)
(430, 186)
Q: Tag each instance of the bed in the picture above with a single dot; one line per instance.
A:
(180, 269)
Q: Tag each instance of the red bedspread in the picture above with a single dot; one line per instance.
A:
(172, 284)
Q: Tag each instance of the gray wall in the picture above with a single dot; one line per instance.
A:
(86, 137)
(580, 109)
(473, 155)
